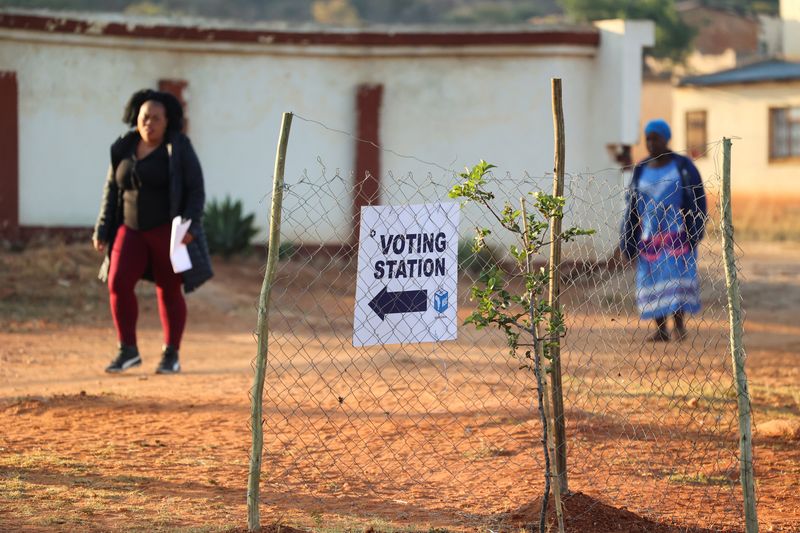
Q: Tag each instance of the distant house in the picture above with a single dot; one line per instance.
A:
(444, 96)
(725, 39)
(759, 106)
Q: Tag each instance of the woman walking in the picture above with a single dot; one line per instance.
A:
(664, 222)
(154, 176)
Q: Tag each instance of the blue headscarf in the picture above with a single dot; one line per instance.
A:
(660, 127)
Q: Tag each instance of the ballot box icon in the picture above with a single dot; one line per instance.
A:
(440, 300)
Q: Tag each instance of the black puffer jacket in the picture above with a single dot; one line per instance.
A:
(186, 198)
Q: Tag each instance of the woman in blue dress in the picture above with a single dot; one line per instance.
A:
(664, 222)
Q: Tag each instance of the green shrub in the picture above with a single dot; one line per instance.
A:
(228, 230)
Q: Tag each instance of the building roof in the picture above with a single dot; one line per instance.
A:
(205, 30)
(762, 71)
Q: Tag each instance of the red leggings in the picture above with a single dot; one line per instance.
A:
(133, 252)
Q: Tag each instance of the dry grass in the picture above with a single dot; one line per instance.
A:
(52, 491)
(700, 479)
(51, 282)
(760, 219)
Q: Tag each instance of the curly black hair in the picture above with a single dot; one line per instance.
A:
(172, 105)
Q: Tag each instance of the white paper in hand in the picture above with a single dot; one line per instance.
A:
(178, 254)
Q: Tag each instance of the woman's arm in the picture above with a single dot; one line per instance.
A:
(193, 185)
(631, 224)
(108, 211)
(694, 203)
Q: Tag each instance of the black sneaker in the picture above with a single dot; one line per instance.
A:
(169, 361)
(127, 357)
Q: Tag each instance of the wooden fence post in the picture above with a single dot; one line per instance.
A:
(746, 475)
(555, 288)
(257, 392)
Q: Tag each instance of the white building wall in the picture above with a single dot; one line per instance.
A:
(770, 35)
(451, 107)
(620, 61)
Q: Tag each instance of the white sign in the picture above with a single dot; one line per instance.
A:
(407, 285)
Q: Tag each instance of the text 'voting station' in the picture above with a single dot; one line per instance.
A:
(407, 274)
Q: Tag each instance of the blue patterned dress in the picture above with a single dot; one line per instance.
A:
(666, 277)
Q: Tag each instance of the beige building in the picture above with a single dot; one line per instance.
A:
(790, 15)
(725, 38)
(757, 105)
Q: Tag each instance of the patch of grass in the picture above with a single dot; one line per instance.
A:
(127, 480)
(698, 479)
(764, 219)
(360, 525)
(48, 491)
(316, 516)
(165, 513)
(709, 391)
(775, 401)
(55, 521)
(13, 488)
(109, 450)
(53, 490)
(75, 296)
(355, 524)
(40, 462)
(200, 529)
(486, 449)
(92, 505)
(41, 459)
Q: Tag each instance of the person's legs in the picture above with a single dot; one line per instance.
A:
(680, 326)
(171, 304)
(172, 310)
(129, 258)
(661, 334)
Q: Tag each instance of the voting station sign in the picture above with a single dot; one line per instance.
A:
(406, 290)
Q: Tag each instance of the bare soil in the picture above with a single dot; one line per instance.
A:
(382, 440)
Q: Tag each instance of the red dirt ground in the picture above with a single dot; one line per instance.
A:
(84, 451)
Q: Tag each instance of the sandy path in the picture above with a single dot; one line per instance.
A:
(83, 450)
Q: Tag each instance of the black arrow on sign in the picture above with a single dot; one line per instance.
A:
(385, 302)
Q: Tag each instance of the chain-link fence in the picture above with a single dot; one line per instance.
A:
(446, 434)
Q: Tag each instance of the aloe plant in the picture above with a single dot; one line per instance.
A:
(228, 229)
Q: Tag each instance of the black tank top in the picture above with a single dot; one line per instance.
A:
(145, 185)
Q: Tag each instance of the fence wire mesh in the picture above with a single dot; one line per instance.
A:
(447, 434)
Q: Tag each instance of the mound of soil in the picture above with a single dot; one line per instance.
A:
(585, 514)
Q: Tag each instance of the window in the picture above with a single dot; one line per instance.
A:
(696, 133)
(784, 132)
